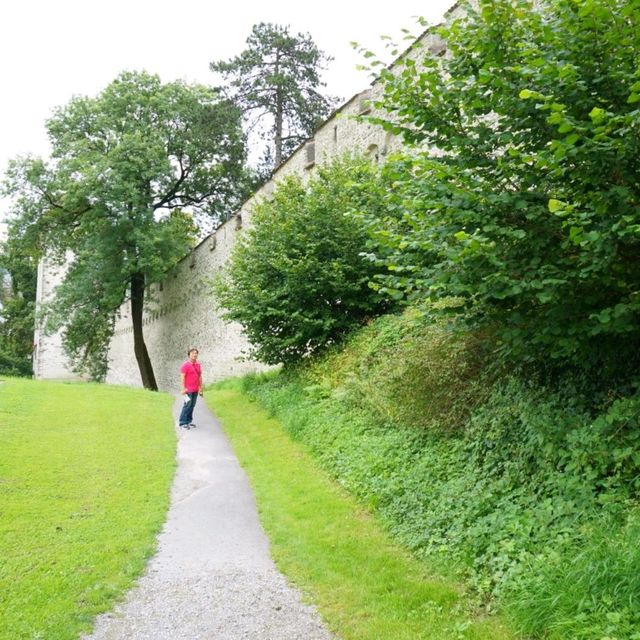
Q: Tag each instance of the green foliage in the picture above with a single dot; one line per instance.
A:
(591, 595)
(296, 280)
(17, 302)
(127, 166)
(83, 496)
(524, 481)
(276, 78)
(529, 219)
(406, 371)
(363, 584)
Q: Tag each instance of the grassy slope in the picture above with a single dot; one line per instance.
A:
(530, 491)
(85, 472)
(364, 585)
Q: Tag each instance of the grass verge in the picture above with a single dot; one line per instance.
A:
(364, 585)
(85, 472)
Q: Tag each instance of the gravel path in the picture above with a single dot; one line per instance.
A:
(212, 577)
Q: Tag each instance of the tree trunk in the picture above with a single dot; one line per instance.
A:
(278, 135)
(139, 347)
(278, 119)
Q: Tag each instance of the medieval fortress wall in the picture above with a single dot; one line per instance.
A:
(181, 311)
(49, 361)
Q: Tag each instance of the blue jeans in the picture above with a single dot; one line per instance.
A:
(186, 415)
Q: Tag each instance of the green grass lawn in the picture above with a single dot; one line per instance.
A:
(85, 473)
(364, 585)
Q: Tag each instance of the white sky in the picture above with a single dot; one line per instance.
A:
(51, 50)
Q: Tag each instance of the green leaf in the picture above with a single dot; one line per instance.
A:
(493, 173)
(555, 205)
(544, 296)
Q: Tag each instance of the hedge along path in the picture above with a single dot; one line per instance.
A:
(364, 585)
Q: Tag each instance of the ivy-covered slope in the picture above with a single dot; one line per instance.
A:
(529, 489)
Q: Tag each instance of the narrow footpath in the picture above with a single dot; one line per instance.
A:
(212, 577)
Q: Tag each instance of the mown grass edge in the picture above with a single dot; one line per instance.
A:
(364, 585)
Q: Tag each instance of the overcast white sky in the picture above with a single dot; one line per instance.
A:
(51, 50)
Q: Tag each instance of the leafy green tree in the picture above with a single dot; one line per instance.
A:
(528, 218)
(296, 280)
(276, 79)
(18, 272)
(130, 170)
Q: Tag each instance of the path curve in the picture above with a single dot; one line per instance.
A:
(212, 577)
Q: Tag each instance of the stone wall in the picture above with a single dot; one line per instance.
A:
(49, 360)
(181, 312)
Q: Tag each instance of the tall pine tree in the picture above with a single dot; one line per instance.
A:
(275, 81)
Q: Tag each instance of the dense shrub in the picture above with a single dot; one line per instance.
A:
(296, 280)
(12, 365)
(524, 480)
(529, 217)
(525, 228)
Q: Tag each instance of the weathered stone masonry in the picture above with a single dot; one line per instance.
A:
(181, 311)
